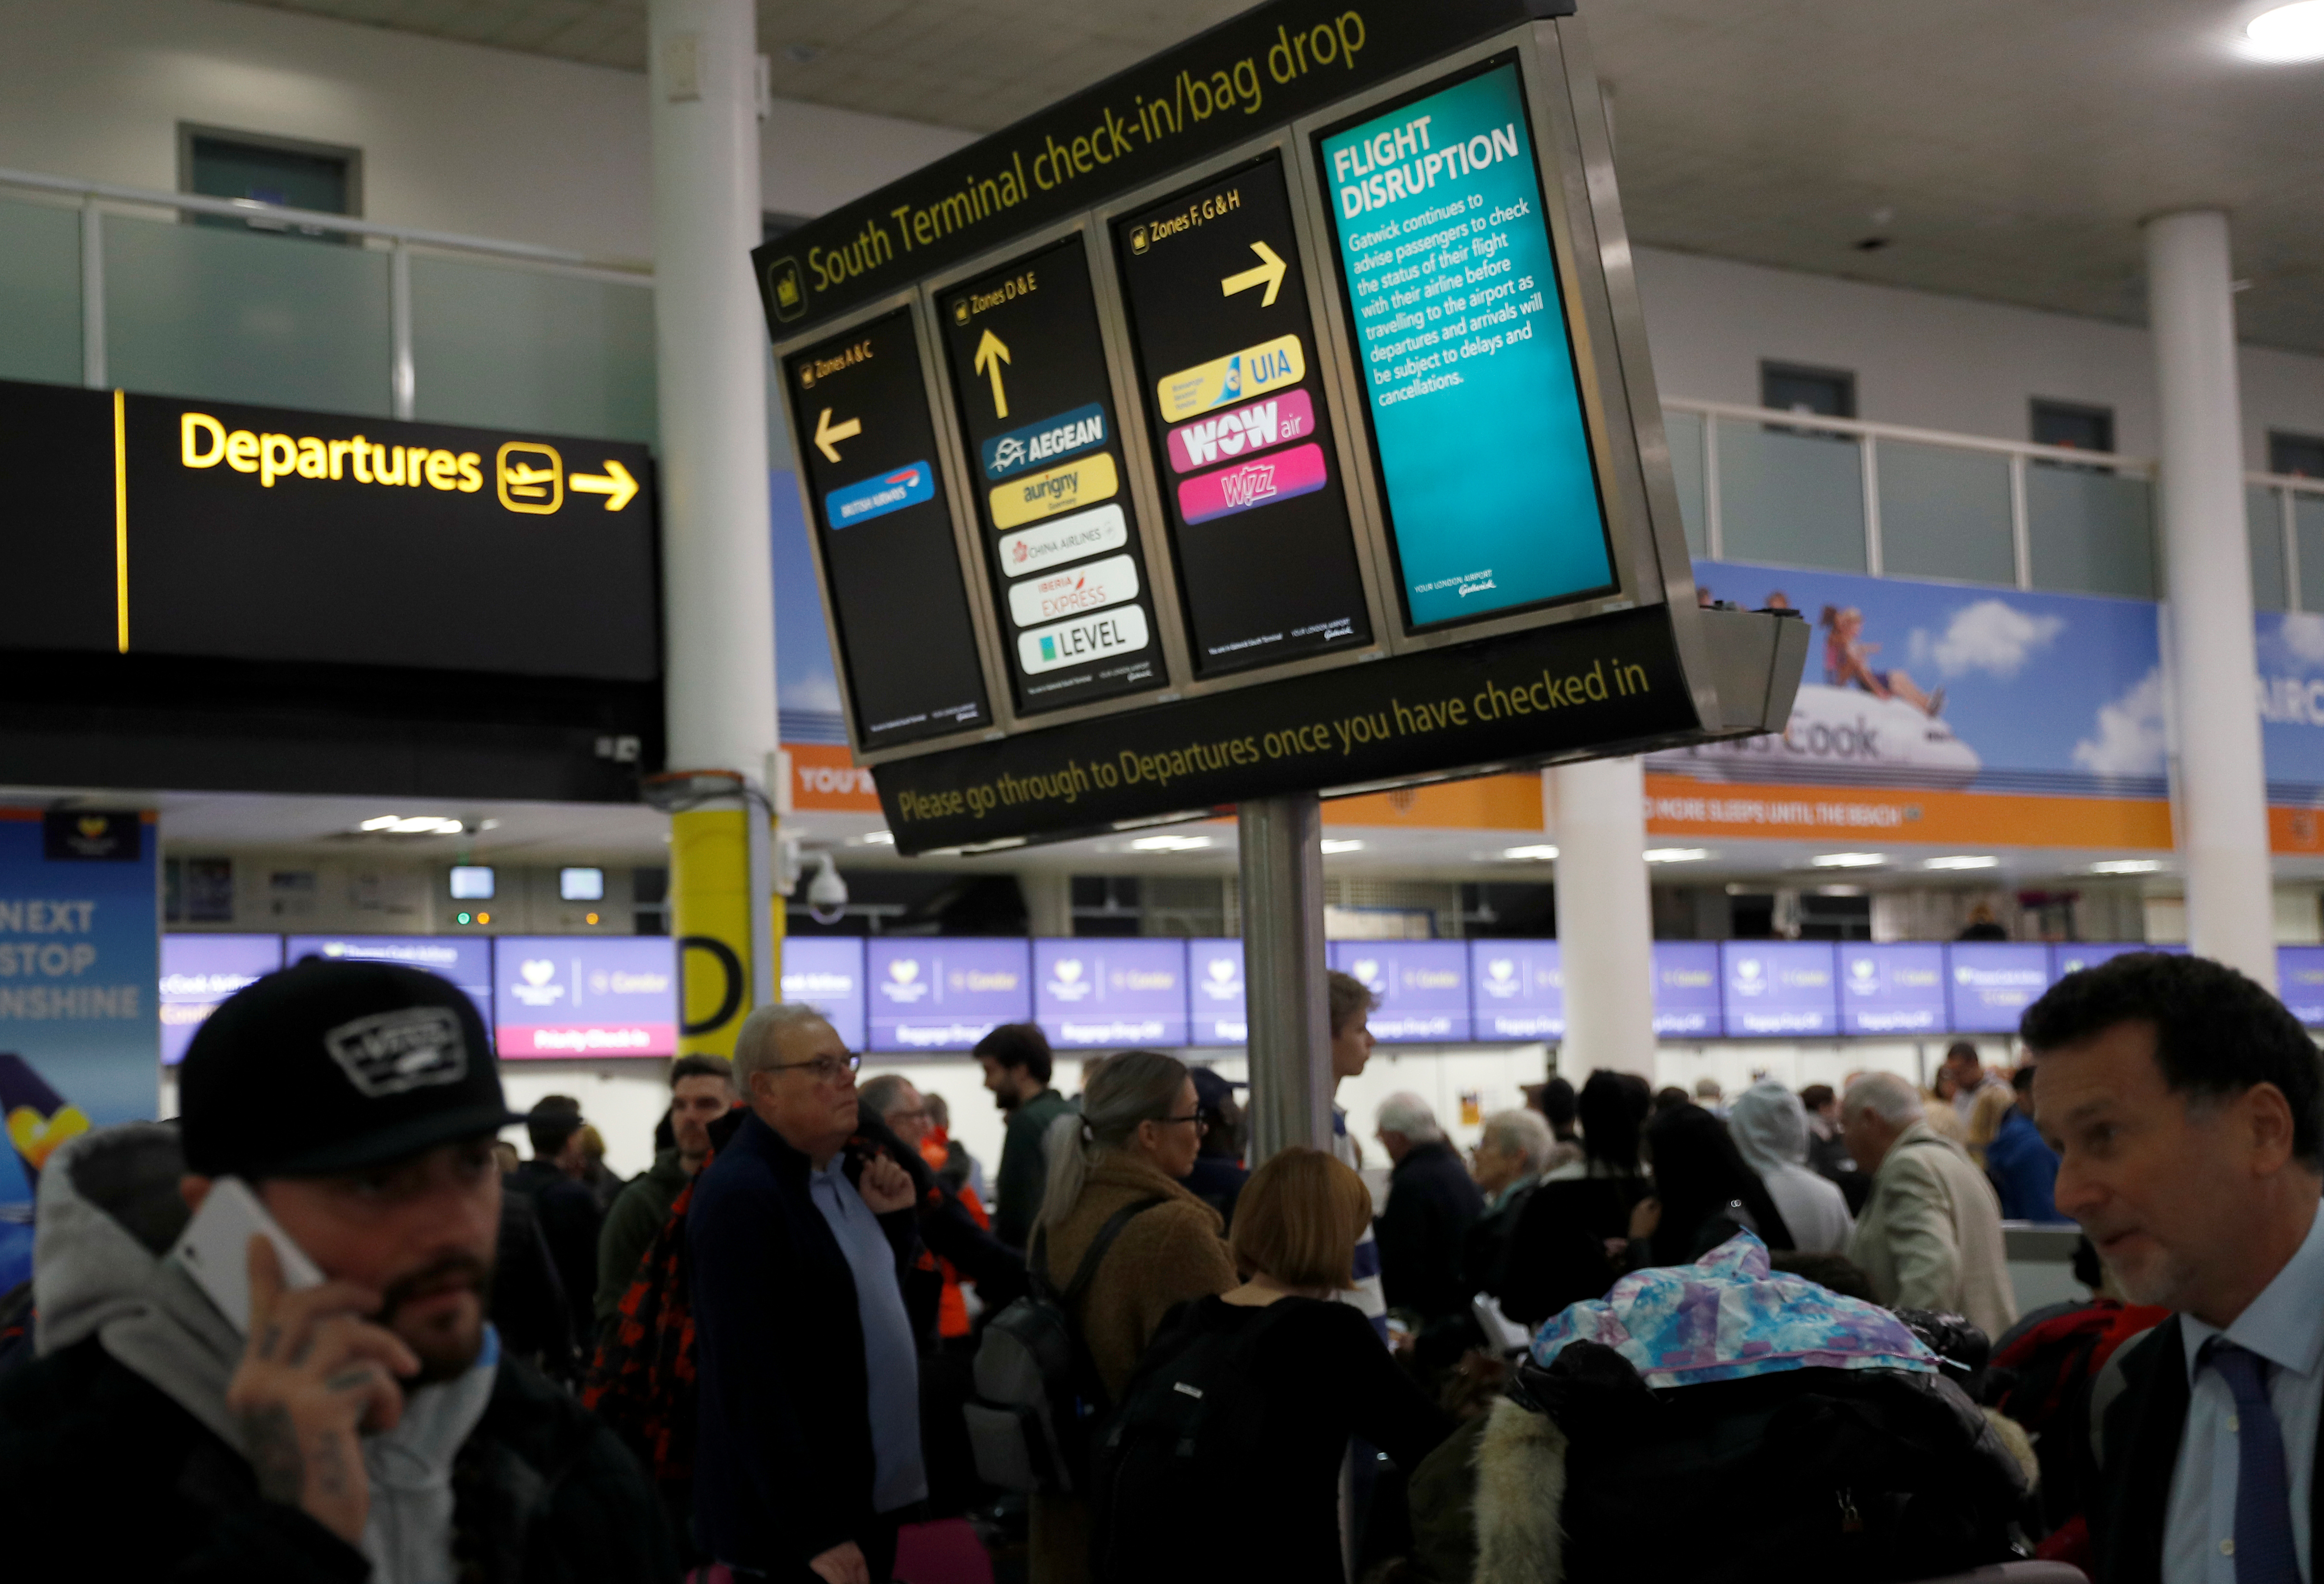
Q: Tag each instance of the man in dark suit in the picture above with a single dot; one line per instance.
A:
(2184, 1102)
(799, 1239)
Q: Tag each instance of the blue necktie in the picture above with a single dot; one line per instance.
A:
(2263, 1548)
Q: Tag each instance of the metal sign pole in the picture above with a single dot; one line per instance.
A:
(1290, 1032)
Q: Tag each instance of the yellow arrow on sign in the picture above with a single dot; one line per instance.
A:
(990, 354)
(827, 434)
(1270, 274)
(616, 484)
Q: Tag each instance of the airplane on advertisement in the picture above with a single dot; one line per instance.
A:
(1845, 730)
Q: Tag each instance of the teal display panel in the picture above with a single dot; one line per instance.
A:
(1450, 281)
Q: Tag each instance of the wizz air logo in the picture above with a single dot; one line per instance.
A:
(1247, 486)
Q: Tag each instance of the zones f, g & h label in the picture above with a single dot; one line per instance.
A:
(869, 445)
(1035, 396)
(1227, 369)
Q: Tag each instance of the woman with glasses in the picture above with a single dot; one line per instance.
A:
(1128, 1149)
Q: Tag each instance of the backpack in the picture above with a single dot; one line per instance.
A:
(642, 1382)
(1188, 1426)
(1036, 1389)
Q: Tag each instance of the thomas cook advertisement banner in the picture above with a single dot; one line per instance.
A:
(1946, 713)
(80, 958)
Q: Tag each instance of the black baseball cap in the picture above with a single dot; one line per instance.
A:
(334, 1066)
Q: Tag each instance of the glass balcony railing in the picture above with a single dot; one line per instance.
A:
(106, 286)
(1799, 490)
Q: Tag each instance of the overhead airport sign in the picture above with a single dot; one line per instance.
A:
(1309, 394)
(194, 528)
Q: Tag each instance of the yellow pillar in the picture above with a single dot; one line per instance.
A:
(710, 916)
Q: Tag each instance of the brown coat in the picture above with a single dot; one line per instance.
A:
(1163, 1257)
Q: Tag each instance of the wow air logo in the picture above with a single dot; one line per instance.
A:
(876, 497)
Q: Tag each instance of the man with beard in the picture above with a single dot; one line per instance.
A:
(368, 1427)
(2183, 1101)
(1016, 1065)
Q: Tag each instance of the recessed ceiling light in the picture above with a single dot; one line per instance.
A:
(1849, 860)
(2289, 33)
(424, 825)
(1542, 853)
(1676, 854)
(1334, 845)
(878, 838)
(2128, 866)
(383, 822)
(1962, 861)
(1169, 844)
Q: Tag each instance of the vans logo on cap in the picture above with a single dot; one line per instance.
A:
(389, 1053)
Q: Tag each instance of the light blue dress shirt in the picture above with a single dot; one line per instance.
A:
(891, 1357)
(2285, 1326)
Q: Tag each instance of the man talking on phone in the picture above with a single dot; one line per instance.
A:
(365, 1426)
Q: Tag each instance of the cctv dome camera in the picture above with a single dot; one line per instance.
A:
(826, 893)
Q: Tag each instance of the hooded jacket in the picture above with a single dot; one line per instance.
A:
(1770, 1128)
(124, 1411)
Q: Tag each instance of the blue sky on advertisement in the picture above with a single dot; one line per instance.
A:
(1998, 688)
(2291, 698)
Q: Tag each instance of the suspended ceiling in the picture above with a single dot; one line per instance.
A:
(1995, 149)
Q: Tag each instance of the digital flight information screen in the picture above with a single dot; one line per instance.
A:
(1450, 286)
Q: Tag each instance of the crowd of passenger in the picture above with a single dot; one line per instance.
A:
(819, 1340)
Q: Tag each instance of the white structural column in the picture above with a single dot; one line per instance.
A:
(1605, 922)
(2222, 779)
(718, 591)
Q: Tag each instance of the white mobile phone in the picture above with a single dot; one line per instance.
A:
(215, 1249)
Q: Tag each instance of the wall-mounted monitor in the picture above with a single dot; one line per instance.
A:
(945, 993)
(1215, 994)
(581, 884)
(826, 972)
(1686, 990)
(1519, 990)
(585, 995)
(1994, 981)
(2073, 957)
(1892, 989)
(198, 972)
(2299, 981)
(466, 960)
(472, 882)
(1112, 993)
(1778, 988)
(1423, 988)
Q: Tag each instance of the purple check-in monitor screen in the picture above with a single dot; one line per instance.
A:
(1110, 992)
(466, 960)
(1686, 990)
(197, 972)
(826, 972)
(1423, 988)
(1519, 988)
(1993, 983)
(2299, 981)
(1892, 989)
(1214, 992)
(585, 995)
(2072, 958)
(945, 994)
(1779, 987)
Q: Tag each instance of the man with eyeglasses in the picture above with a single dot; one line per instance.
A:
(799, 1237)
